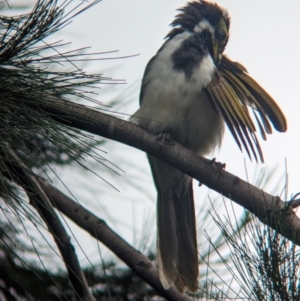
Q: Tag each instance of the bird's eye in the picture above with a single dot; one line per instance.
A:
(221, 35)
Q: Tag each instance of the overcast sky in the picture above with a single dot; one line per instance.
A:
(264, 37)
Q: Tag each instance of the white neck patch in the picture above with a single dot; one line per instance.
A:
(204, 25)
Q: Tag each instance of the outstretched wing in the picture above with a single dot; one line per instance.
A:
(232, 91)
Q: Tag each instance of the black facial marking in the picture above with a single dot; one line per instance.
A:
(190, 53)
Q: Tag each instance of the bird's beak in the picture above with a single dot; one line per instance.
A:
(216, 55)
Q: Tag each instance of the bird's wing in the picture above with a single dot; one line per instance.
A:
(231, 91)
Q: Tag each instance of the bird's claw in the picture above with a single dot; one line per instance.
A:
(165, 139)
(220, 166)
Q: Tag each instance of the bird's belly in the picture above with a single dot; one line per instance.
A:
(201, 128)
(189, 119)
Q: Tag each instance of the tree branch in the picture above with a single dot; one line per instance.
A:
(40, 201)
(269, 209)
(98, 229)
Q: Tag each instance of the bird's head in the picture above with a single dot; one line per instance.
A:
(209, 25)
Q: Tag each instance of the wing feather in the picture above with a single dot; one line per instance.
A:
(231, 91)
(248, 99)
(264, 103)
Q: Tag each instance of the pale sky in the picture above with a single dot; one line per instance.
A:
(264, 37)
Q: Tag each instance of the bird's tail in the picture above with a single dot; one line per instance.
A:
(177, 240)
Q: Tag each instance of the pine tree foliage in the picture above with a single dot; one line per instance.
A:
(33, 72)
(265, 264)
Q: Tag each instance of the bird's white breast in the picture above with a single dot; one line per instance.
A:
(172, 103)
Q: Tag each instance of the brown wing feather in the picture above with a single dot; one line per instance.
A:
(235, 115)
(231, 91)
(257, 95)
(247, 99)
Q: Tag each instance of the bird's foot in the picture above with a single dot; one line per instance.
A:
(213, 160)
(220, 166)
(165, 139)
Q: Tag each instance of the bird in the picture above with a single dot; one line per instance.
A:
(190, 90)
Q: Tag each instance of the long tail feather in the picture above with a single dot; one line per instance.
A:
(176, 223)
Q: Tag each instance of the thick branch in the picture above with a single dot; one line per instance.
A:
(98, 229)
(269, 209)
(40, 200)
